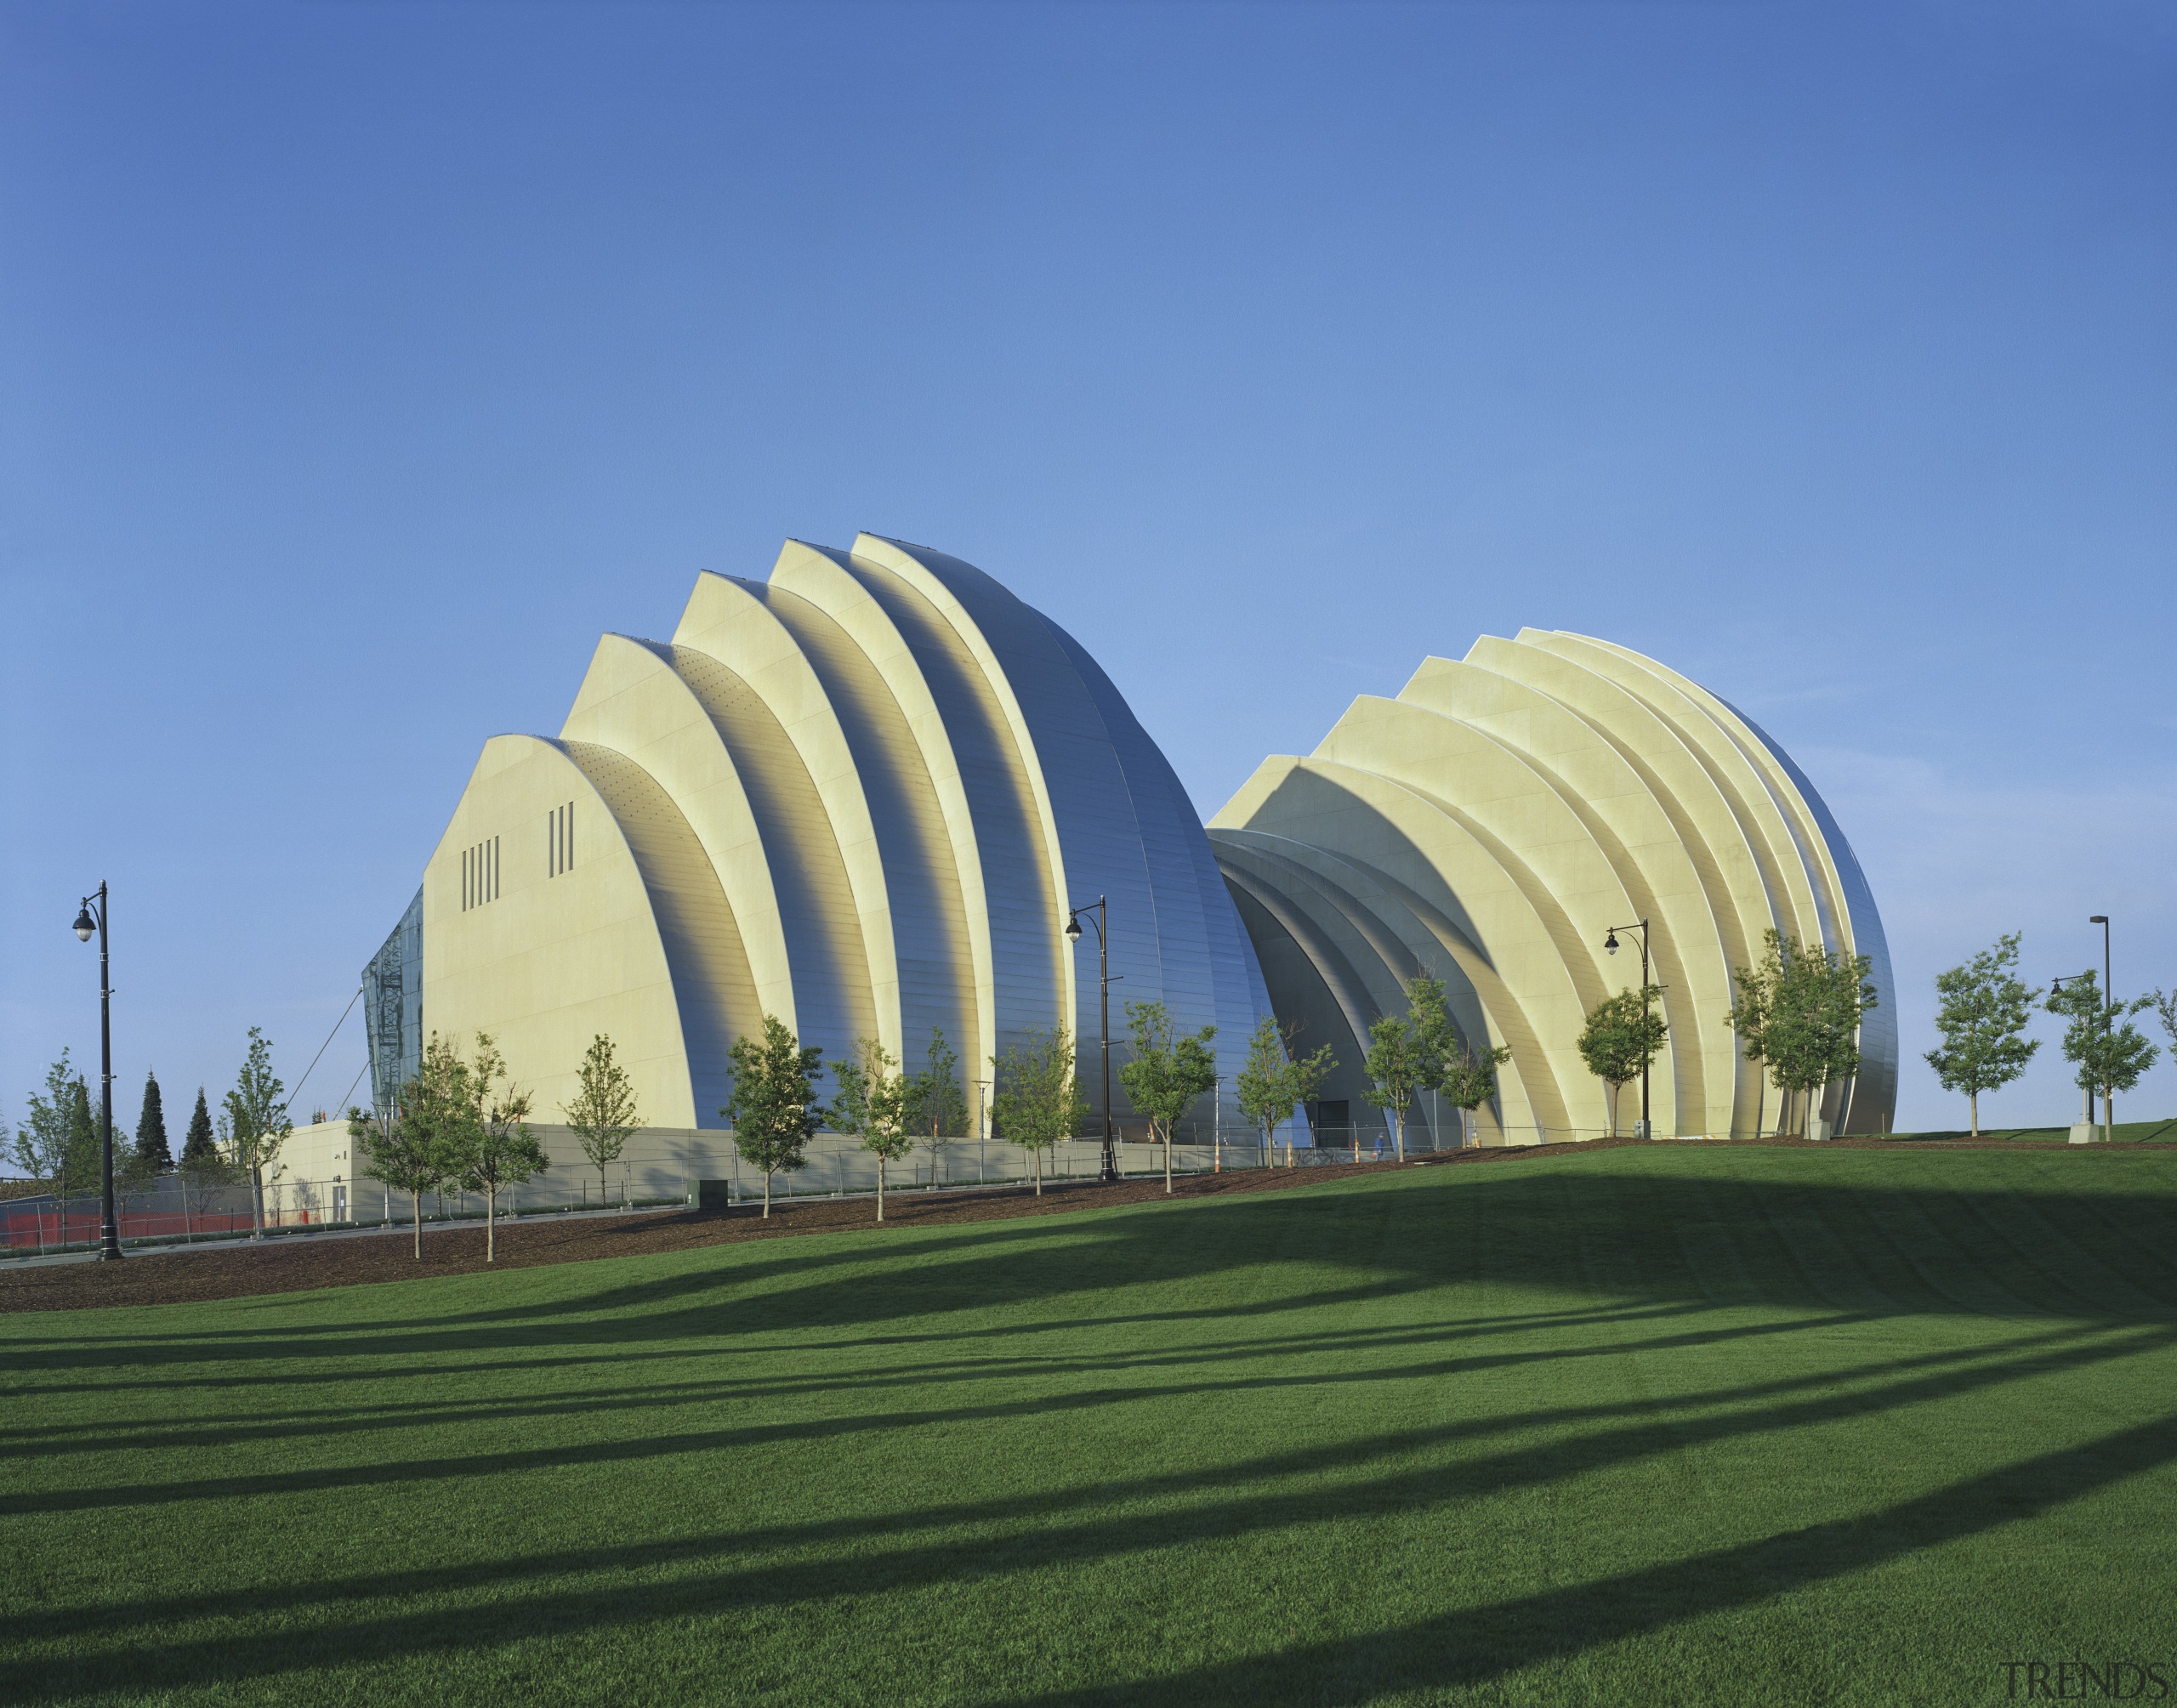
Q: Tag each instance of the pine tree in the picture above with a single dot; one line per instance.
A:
(86, 1164)
(152, 1156)
(198, 1149)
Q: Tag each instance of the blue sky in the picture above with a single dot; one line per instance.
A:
(359, 365)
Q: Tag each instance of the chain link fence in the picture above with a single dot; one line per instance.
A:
(658, 1169)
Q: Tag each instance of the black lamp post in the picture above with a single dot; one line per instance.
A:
(109, 1223)
(2108, 1021)
(1104, 1020)
(1610, 947)
(2057, 989)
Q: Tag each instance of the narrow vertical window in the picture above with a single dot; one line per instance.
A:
(494, 868)
(571, 835)
(465, 880)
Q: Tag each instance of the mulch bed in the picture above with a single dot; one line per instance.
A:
(299, 1263)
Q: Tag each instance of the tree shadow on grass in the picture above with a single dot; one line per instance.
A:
(1790, 1234)
(1051, 1531)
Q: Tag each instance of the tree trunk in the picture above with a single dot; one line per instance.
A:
(490, 1222)
(1975, 1098)
(767, 1194)
(1038, 1154)
(1168, 1156)
(1398, 1134)
(256, 1201)
(880, 1186)
(416, 1199)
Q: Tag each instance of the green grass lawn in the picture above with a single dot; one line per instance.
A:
(1686, 1424)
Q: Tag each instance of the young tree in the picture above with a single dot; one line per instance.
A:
(603, 1115)
(257, 1113)
(937, 1108)
(40, 1147)
(774, 1110)
(2109, 1053)
(1621, 1038)
(1168, 1073)
(399, 1154)
(1397, 1060)
(1036, 1104)
(1982, 1018)
(1274, 1080)
(152, 1155)
(1799, 1013)
(492, 1149)
(199, 1153)
(873, 1106)
(1470, 1077)
(418, 1148)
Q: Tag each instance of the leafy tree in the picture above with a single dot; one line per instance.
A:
(152, 1155)
(1470, 1077)
(417, 1146)
(1799, 1013)
(1982, 1017)
(604, 1114)
(40, 1144)
(1168, 1073)
(1275, 1079)
(1620, 1039)
(199, 1153)
(2109, 1053)
(399, 1155)
(1035, 1104)
(489, 1148)
(774, 1110)
(936, 1108)
(1396, 1061)
(2165, 1008)
(257, 1113)
(873, 1106)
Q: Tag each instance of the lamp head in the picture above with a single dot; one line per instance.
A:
(2055, 987)
(1609, 943)
(1073, 927)
(2097, 919)
(85, 925)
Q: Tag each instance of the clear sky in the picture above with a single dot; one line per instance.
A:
(359, 365)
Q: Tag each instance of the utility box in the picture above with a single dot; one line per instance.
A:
(2084, 1132)
(1817, 1128)
(710, 1195)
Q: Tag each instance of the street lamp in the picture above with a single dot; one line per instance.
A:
(2086, 1089)
(109, 1223)
(1610, 947)
(2108, 1020)
(1101, 909)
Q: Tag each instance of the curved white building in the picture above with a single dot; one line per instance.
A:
(1492, 824)
(862, 795)
(859, 796)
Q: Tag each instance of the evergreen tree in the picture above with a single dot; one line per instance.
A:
(86, 1163)
(198, 1151)
(152, 1156)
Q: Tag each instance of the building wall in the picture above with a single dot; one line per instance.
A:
(1492, 824)
(859, 796)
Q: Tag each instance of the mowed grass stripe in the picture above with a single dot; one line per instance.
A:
(1685, 1425)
